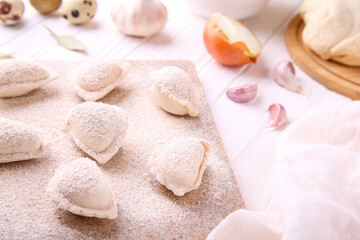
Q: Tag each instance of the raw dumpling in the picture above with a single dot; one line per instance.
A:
(98, 129)
(19, 77)
(19, 141)
(333, 29)
(180, 164)
(95, 80)
(81, 188)
(173, 91)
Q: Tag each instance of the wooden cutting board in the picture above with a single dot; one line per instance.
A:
(147, 210)
(335, 76)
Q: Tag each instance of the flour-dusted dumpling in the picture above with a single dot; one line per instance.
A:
(98, 129)
(94, 80)
(180, 164)
(173, 90)
(19, 77)
(19, 141)
(81, 188)
(333, 29)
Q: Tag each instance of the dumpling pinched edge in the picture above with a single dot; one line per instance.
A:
(113, 148)
(171, 103)
(92, 96)
(23, 88)
(153, 165)
(15, 157)
(64, 203)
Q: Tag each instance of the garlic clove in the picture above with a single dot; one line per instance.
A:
(242, 94)
(278, 116)
(140, 18)
(284, 75)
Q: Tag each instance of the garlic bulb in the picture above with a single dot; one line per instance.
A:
(140, 18)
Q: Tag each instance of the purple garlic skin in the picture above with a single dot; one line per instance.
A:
(242, 94)
(284, 75)
(278, 116)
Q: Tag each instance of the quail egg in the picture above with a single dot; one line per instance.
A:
(78, 11)
(45, 6)
(11, 11)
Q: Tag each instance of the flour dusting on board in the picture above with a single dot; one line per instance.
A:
(146, 209)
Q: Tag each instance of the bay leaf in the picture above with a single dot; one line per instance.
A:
(68, 42)
(5, 56)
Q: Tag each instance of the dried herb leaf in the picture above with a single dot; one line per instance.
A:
(68, 42)
(5, 56)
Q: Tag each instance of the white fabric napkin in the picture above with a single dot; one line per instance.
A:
(315, 183)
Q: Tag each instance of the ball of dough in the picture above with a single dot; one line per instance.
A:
(11, 11)
(78, 11)
(333, 29)
(45, 6)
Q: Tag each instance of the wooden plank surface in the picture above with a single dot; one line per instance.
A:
(251, 151)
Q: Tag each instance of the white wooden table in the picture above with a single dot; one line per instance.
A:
(251, 150)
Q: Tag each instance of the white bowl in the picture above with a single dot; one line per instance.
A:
(238, 9)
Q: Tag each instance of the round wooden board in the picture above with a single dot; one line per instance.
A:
(335, 76)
